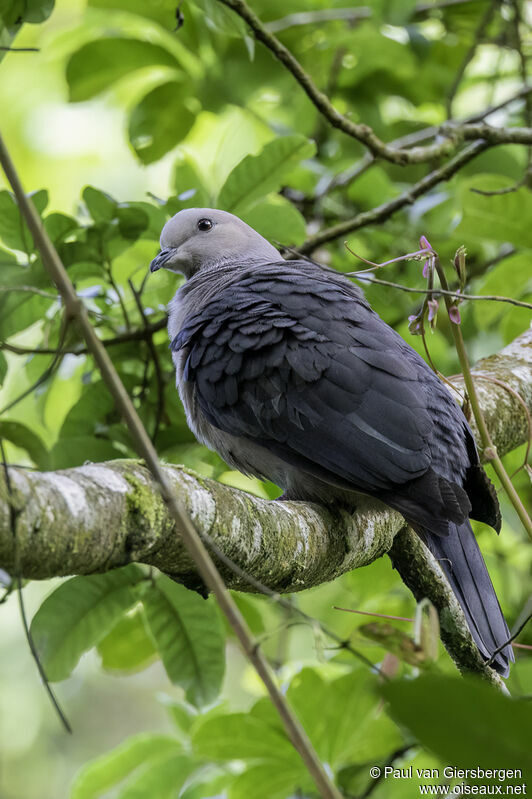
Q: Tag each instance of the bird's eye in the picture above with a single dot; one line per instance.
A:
(204, 224)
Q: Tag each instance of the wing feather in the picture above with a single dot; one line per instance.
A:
(297, 361)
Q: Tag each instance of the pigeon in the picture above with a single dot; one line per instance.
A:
(285, 371)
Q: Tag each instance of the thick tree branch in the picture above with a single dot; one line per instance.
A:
(386, 210)
(345, 178)
(97, 517)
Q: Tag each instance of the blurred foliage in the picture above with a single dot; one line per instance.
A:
(129, 112)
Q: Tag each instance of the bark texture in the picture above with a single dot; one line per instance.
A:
(100, 516)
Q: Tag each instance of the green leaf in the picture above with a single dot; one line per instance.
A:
(160, 121)
(13, 230)
(161, 11)
(182, 714)
(77, 450)
(258, 175)
(159, 779)
(87, 415)
(189, 637)
(100, 205)
(127, 647)
(13, 13)
(132, 221)
(98, 776)
(272, 781)
(277, 220)
(342, 717)
(202, 786)
(155, 215)
(80, 613)
(59, 225)
(7, 258)
(251, 608)
(242, 736)
(3, 367)
(503, 217)
(398, 12)
(515, 322)
(37, 11)
(512, 277)
(19, 310)
(85, 432)
(459, 720)
(223, 20)
(189, 187)
(98, 65)
(21, 436)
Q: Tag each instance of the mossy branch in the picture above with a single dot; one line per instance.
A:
(100, 516)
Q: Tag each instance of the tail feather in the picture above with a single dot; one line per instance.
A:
(461, 560)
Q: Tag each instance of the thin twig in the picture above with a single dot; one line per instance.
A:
(505, 190)
(283, 603)
(367, 613)
(48, 372)
(139, 334)
(109, 270)
(19, 49)
(344, 179)
(438, 292)
(31, 290)
(159, 379)
(386, 210)
(22, 608)
(509, 640)
(180, 517)
(401, 752)
(478, 35)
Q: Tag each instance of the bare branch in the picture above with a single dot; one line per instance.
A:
(140, 334)
(349, 175)
(361, 132)
(490, 134)
(386, 210)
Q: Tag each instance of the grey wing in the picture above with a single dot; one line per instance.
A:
(309, 371)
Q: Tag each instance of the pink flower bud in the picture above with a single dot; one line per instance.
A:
(433, 309)
(454, 315)
(424, 243)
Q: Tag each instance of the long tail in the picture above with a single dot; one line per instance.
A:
(461, 560)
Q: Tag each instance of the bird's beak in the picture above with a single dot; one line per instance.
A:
(160, 259)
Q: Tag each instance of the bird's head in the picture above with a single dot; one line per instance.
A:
(200, 238)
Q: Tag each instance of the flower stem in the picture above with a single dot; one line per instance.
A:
(487, 444)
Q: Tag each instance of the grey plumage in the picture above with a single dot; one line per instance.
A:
(284, 369)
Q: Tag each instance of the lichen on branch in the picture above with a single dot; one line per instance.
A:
(101, 516)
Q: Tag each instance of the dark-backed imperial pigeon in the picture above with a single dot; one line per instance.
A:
(285, 371)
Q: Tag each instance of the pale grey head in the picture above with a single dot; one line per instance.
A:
(200, 238)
